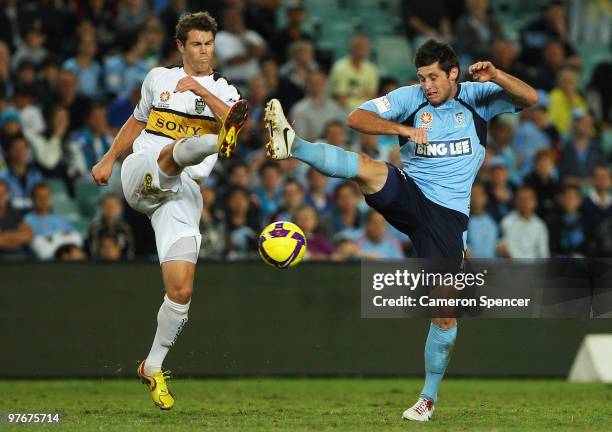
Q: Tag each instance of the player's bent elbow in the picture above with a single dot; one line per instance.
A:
(355, 119)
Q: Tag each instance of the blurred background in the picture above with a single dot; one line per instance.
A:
(70, 75)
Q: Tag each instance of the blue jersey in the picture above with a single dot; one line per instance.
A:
(445, 169)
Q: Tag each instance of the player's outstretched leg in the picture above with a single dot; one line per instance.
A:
(192, 150)
(330, 160)
(438, 349)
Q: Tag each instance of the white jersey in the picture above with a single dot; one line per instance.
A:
(170, 116)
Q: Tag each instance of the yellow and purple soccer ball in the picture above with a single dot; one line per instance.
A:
(282, 244)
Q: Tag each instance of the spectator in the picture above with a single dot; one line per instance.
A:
(483, 231)
(599, 93)
(346, 219)
(153, 37)
(132, 14)
(238, 48)
(69, 252)
(318, 247)
(101, 18)
(212, 226)
(122, 108)
(108, 248)
(242, 230)
(552, 61)
(66, 94)
(269, 190)
(88, 145)
(292, 199)
(32, 50)
(551, 25)
(51, 230)
(524, 235)
(5, 68)
(312, 113)
(49, 147)
(15, 234)
(170, 16)
(602, 240)
(86, 68)
(259, 94)
(567, 231)
(544, 183)
(292, 32)
(505, 56)
(590, 22)
(30, 116)
(376, 241)
(354, 79)
(427, 20)
(280, 88)
(368, 145)
(111, 225)
(499, 190)
(47, 82)
(582, 152)
(123, 72)
(597, 206)
(317, 196)
(20, 174)
(565, 99)
(534, 133)
(476, 30)
(301, 63)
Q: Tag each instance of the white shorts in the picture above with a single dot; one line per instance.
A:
(174, 212)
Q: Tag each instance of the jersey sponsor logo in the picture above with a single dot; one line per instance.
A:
(382, 104)
(444, 149)
(426, 117)
(200, 105)
(175, 125)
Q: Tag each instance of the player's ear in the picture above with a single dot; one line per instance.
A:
(180, 46)
(453, 73)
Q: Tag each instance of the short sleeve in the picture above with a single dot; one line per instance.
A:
(230, 95)
(490, 100)
(395, 106)
(141, 112)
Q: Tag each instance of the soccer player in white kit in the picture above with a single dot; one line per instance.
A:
(188, 115)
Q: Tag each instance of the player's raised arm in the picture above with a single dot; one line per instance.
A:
(371, 123)
(523, 95)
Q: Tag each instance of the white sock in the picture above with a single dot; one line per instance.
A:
(192, 150)
(170, 321)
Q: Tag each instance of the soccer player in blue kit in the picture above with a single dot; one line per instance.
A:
(442, 128)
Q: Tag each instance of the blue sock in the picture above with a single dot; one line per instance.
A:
(331, 160)
(438, 350)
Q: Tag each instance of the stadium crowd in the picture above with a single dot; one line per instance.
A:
(70, 75)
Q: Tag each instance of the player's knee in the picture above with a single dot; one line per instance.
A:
(372, 174)
(445, 323)
(192, 150)
(179, 290)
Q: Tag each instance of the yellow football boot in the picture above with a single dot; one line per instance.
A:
(234, 121)
(160, 393)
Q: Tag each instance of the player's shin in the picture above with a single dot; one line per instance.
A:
(331, 160)
(171, 319)
(438, 349)
(192, 150)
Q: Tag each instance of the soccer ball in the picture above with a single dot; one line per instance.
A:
(282, 244)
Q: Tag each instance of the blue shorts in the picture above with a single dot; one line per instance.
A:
(435, 231)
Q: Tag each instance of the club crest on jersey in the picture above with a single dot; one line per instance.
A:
(459, 118)
(444, 149)
(200, 105)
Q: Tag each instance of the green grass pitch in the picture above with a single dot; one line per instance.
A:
(313, 405)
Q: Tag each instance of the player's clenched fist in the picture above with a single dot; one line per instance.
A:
(418, 135)
(102, 171)
(483, 71)
(189, 84)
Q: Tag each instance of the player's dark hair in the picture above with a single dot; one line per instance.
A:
(433, 51)
(196, 21)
